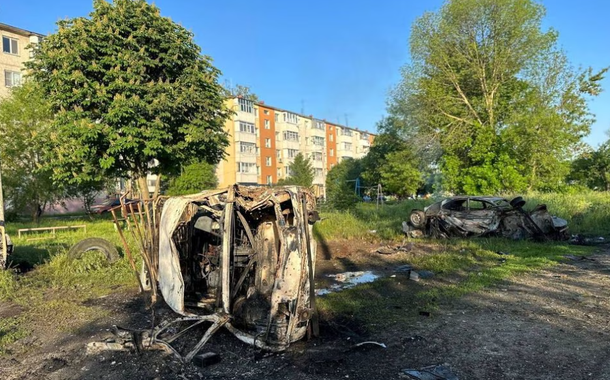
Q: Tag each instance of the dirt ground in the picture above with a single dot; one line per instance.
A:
(554, 324)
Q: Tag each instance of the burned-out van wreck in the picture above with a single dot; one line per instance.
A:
(240, 258)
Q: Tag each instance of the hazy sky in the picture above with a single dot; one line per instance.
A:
(335, 59)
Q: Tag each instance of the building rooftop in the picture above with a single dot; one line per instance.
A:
(23, 32)
(263, 104)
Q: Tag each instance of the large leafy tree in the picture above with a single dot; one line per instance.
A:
(128, 88)
(490, 89)
(25, 122)
(25, 128)
(592, 168)
(341, 182)
(400, 174)
(301, 172)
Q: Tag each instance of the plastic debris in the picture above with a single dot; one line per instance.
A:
(425, 274)
(370, 342)
(206, 359)
(347, 280)
(434, 372)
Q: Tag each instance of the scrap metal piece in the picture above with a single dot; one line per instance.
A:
(434, 372)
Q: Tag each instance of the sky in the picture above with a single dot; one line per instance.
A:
(334, 59)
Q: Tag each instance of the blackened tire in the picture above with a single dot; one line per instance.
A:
(94, 244)
(517, 202)
(417, 218)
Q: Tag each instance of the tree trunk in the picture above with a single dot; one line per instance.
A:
(143, 187)
(37, 213)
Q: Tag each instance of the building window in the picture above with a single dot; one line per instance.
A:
(278, 153)
(291, 136)
(292, 153)
(347, 146)
(319, 125)
(317, 172)
(246, 127)
(346, 132)
(288, 171)
(246, 105)
(246, 147)
(276, 116)
(364, 136)
(267, 143)
(290, 117)
(152, 182)
(316, 156)
(12, 78)
(331, 137)
(332, 153)
(267, 124)
(317, 140)
(246, 167)
(268, 161)
(269, 180)
(266, 112)
(10, 45)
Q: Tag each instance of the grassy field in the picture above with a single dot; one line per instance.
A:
(54, 287)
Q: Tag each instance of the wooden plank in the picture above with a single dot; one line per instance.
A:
(52, 229)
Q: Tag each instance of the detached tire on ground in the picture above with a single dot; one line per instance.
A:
(94, 244)
(417, 218)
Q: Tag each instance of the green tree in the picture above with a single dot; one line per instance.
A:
(592, 168)
(491, 90)
(243, 91)
(340, 184)
(128, 87)
(25, 129)
(400, 174)
(386, 142)
(301, 172)
(25, 124)
(194, 178)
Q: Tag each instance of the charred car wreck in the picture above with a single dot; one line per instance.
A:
(241, 258)
(465, 216)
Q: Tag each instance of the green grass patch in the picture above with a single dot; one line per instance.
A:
(11, 330)
(52, 292)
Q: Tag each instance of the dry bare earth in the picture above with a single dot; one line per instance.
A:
(550, 325)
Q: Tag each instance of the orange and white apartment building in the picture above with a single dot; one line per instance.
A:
(264, 141)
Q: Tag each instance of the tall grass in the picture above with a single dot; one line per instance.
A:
(587, 213)
(367, 221)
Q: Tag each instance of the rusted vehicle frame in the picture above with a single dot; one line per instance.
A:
(454, 217)
(242, 258)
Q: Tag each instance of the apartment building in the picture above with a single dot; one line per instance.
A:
(264, 141)
(15, 52)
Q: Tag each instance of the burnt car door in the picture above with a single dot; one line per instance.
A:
(470, 217)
